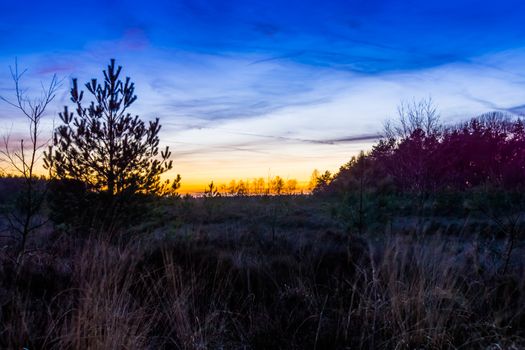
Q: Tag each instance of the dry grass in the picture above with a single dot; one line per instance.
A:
(252, 290)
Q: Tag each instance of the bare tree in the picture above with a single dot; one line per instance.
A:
(277, 184)
(291, 186)
(21, 158)
(313, 180)
(414, 115)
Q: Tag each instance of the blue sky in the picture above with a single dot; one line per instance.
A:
(247, 88)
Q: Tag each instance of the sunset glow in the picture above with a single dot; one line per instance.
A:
(258, 89)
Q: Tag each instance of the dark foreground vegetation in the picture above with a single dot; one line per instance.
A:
(417, 244)
(266, 273)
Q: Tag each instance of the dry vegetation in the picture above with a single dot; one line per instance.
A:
(261, 273)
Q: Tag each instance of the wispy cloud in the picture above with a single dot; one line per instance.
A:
(259, 85)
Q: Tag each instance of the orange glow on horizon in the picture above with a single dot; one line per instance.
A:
(197, 171)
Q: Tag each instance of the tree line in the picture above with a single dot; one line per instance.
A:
(418, 154)
(276, 185)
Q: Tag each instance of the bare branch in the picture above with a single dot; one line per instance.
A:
(412, 116)
(22, 160)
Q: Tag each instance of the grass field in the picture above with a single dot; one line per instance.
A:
(282, 272)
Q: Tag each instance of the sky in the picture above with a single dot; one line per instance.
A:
(249, 89)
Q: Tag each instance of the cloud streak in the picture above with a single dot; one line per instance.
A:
(259, 85)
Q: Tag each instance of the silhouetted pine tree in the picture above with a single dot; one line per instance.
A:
(104, 146)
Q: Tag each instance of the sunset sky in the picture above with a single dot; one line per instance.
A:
(255, 88)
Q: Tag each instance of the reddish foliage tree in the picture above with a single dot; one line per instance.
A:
(485, 151)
